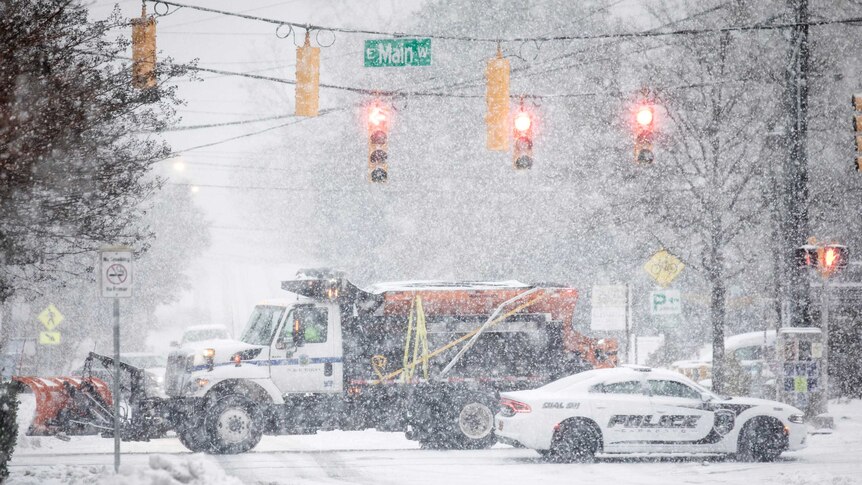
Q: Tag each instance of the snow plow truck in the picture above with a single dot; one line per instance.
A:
(426, 359)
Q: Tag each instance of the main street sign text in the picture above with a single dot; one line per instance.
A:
(397, 52)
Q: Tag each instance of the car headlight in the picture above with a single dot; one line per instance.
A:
(796, 418)
(209, 353)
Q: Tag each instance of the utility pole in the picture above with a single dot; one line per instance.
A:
(795, 292)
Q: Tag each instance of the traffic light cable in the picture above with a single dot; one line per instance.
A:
(550, 38)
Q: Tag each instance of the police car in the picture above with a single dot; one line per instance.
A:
(641, 410)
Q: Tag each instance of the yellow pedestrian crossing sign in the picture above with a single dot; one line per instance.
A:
(664, 267)
(49, 338)
(51, 317)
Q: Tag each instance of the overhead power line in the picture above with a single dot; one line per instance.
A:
(226, 123)
(323, 112)
(547, 38)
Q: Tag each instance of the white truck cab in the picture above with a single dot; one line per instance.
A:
(287, 347)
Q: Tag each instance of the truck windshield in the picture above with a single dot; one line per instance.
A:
(262, 324)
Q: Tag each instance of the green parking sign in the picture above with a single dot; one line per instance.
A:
(397, 52)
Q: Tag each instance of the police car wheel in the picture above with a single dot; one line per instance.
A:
(234, 424)
(574, 442)
(762, 439)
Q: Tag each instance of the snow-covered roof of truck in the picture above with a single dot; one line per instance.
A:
(420, 285)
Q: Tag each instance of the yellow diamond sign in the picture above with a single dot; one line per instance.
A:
(664, 267)
(50, 317)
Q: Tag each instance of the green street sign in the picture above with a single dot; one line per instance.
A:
(397, 52)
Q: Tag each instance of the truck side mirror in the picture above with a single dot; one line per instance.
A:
(298, 333)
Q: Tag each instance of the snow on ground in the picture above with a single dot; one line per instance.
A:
(370, 457)
(159, 470)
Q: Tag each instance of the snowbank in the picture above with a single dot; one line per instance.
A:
(161, 470)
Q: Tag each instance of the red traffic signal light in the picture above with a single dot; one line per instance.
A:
(523, 122)
(831, 258)
(378, 139)
(644, 117)
(522, 155)
(376, 116)
(827, 259)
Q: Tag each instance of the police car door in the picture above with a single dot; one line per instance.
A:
(615, 404)
(307, 353)
(680, 419)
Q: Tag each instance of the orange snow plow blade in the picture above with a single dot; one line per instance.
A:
(70, 405)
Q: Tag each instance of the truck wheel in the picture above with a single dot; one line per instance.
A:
(476, 424)
(466, 420)
(761, 439)
(234, 424)
(193, 435)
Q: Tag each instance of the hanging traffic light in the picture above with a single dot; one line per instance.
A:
(644, 127)
(497, 102)
(857, 129)
(307, 79)
(144, 51)
(831, 258)
(827, 259)
(378, 143)
(806, 256)
(522, 155)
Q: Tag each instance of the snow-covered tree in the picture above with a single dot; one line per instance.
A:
(73, 166)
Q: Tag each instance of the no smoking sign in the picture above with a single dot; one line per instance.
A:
(116, 269)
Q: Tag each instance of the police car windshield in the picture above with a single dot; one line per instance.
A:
(262, 324)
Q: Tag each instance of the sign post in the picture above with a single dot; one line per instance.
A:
(115, 263)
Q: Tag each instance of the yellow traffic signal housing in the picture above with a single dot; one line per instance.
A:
(378, 144)
(497, 102)
(144, 51)
(307, 79)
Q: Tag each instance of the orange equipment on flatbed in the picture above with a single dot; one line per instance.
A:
(483, 298)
